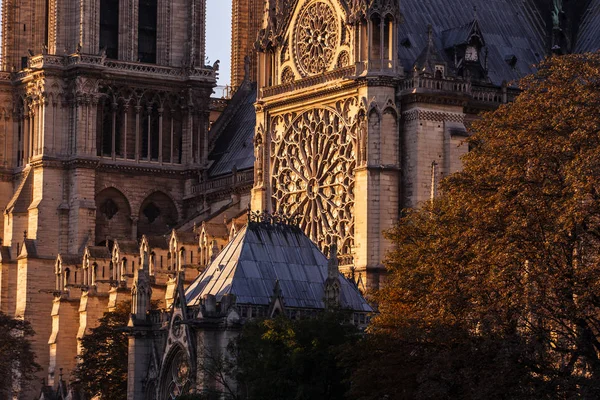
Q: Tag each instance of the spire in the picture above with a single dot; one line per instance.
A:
(332, 283)
(430, 56)
(430, 35)
(214, 251)
(141, 292)
(333, 263)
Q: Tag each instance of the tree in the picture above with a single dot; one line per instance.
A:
(493, 288)
(17, 359)
(292, 359)
(102, 367)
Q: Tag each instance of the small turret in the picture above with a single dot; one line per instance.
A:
(141, 291)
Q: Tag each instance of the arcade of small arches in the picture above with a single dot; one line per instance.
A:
(142, 126)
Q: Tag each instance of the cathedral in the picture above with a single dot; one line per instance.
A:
(121, 176)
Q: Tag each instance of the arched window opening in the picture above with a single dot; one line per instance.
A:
(147, 29)
(104, 135)
(177, 147)
(375, 37)
(94, 274)
(109, 27)
(20, 147)
(388, 34)
(176, 379)
(118, 124)
(150, 134)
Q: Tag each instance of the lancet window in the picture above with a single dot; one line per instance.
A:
(144, 129)
(147, 31)
(381, 45)
(109, 27)
(20, 139)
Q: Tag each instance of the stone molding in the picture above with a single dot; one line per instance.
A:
(434, 116)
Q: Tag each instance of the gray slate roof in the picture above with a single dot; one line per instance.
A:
(262, 254)
(588, 38)
(233, 133)
(509, 27)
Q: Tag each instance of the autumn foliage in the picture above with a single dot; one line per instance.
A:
(494, 288)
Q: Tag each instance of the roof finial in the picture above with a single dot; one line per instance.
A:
(475, 12)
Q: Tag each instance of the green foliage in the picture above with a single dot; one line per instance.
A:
(102, 367)
(493, 287)
(293, 359)
(16, 354)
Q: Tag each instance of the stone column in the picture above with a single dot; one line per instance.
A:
(160, 135)
(137, 133)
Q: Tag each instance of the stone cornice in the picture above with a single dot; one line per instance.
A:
(309, 96)
(166, 169)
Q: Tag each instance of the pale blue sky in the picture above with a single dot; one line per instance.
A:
(218, 36)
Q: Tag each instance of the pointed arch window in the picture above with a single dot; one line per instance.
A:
(109, 27)
(147, 31)
(177, 377)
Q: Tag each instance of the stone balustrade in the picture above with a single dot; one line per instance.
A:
(308, 82)
(229, 181)
(444, 85)
(109, 65)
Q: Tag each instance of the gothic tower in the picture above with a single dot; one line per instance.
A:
(103, 128)
(246, 22)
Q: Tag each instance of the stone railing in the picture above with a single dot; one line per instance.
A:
(489, 95)
(378, 67)
(308, 82)
(46, 60)
(90, 60)
(443, 85)
(229, 181)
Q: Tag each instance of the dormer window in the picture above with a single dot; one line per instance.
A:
(440, 71)
(471, 53)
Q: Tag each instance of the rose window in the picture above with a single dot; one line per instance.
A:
(313, 176)
(316, 38)
(178, 377)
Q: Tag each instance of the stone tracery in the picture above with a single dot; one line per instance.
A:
(313, 174)
(178, 374)
(317, 37)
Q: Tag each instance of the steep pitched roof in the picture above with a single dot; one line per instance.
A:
(258, 257)
(233, 133)
(588, 38)
(509, 27)
(430, 56)
(99, 252)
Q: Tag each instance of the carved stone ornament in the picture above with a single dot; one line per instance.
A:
(316, 38)
(313, 175)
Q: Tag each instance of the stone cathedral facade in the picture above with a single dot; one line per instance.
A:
(363, 106)
(104, 113)
(345, 112)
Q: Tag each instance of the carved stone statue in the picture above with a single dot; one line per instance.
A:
(556, 12)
